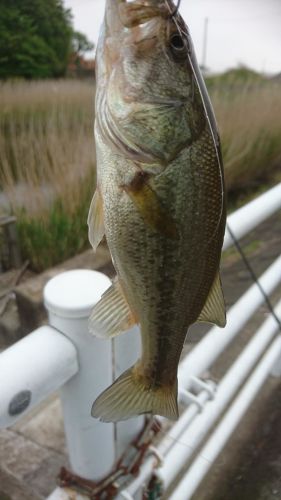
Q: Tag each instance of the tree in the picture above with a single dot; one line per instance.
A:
(35, 38)
(81, 44)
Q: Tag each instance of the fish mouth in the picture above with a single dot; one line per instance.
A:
(129, 14)
(136, 13)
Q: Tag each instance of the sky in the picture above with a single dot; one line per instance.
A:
(244, 32)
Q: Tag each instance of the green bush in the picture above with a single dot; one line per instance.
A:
(35, 38)
(47, 241)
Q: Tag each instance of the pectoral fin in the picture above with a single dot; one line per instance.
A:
(150, 206)
(214, 308)
(95, 220)
(111, 315)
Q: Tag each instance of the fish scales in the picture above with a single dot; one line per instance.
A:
(161, 193)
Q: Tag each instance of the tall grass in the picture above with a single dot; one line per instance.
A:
(47, 157)
(249, 119)
(46, 141)
(47, 161)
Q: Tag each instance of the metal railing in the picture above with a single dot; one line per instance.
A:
(65, 356)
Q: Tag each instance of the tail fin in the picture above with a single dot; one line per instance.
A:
(127, 398)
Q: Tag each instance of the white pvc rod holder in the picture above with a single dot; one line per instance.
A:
(213, 344)
(69, 298)
(32, 369)
(195, 433)
(231, 381)
(204, 354)
(215, 444)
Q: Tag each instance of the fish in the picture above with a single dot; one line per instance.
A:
(159, 200)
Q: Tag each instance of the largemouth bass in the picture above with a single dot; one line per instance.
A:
(159, 199)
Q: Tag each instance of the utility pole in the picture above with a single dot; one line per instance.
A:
(205, 40)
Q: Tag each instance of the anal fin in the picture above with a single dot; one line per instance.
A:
(95, 220)
(214, 308)
(111, 315)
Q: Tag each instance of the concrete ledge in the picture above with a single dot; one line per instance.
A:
(27, 470)
(29, 295)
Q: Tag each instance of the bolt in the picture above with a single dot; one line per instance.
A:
(19, 402)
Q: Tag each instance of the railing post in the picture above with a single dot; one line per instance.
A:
(69, 298)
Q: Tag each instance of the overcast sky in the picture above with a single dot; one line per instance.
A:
(239, 31)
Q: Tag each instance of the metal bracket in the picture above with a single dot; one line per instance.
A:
(125, 494)
(154, 451)
(188, 397)
(199, 385)
(204, 385)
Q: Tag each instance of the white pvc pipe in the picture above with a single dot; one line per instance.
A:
(246, 218)
(215, 444)
(31, 369)
(66, 494)
(170, 438)
(69, 298)
(213, 344)
(194, 434)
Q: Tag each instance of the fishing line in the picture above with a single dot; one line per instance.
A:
(254, 276)
(174, 13)
(164, 434)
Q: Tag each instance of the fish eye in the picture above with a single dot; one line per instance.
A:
(177, 42)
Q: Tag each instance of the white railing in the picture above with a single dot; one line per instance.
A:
(65, 356)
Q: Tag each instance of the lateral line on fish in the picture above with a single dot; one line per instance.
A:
(213, 137)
